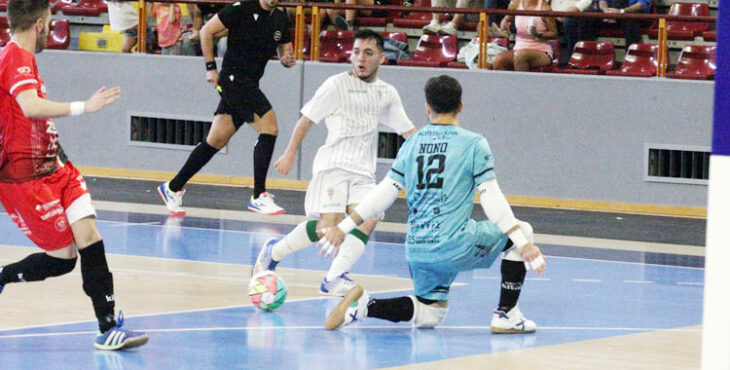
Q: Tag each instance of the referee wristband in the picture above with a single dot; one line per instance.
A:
(211, 66)
(347, 225)
(77, 108)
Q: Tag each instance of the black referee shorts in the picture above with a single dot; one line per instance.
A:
(241, 98)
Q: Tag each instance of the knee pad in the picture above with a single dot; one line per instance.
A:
(427, 316)
(513, 254)
(59, 266)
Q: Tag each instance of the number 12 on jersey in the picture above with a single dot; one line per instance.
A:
(429, 167)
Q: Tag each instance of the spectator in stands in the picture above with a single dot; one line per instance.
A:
(324, 14)
(169, 28)
(202, 13)
(631, 27)
(532, 47)
(434, 27)
(495, 4)
(123, 17)
(346, 22)
(576, 29)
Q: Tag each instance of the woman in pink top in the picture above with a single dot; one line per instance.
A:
(532, 48)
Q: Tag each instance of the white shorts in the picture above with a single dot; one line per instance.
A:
(331, 191)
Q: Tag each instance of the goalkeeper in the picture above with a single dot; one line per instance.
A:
(440, 167)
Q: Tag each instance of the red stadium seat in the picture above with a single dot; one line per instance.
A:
(641, 60)
(59, 36)
(696, 62)
(4, 31)
(709, 35)
(414, 19)
(3, 5)
(685, 30)
(85, 7)
(457, 65)
(590, 57)
(379, 19)
(433, 51)
(335, 46)
(555, 44)
(398, 36)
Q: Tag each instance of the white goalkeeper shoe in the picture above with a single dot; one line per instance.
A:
(352, 308)
(512, 322)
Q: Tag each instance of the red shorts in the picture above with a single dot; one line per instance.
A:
(45, 208)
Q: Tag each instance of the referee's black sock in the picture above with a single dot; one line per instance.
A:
(98, 283)
(197, 159)
(513, 275)
(392, 309)
(262, 153)
(36, 267)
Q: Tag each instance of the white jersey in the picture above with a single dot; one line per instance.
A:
(122, 15)
(352, 109)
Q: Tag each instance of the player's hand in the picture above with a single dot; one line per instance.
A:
(101, 99)
(285, 163)
(330, 243)
(288, 60)
(534, 259)
(212, 77)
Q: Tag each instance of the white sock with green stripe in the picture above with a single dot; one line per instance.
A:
(299, 238)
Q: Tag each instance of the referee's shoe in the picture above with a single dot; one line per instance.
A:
(264, 204)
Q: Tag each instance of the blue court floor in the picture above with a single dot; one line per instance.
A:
(577, 299)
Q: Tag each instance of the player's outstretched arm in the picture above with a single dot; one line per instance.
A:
(34, 106)
(285, 163)
(376, 202)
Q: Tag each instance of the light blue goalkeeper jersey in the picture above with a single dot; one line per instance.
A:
(440, 166)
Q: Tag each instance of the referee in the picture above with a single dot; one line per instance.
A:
(256, 30)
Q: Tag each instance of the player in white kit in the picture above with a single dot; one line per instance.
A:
(351, 104)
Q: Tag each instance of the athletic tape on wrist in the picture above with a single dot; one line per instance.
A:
(76, 108)
(347, 225)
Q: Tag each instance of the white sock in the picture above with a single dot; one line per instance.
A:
(350, 251)
(297, 239)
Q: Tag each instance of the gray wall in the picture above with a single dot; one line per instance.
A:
(558, 136)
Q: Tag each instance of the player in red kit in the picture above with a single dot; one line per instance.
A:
(45, 197)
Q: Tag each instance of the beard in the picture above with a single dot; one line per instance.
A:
(40, 42)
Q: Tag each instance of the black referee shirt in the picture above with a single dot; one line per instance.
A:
(253, 35)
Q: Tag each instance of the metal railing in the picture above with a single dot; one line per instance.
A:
(482, 25)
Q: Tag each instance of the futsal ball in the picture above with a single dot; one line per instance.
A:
(266, 290)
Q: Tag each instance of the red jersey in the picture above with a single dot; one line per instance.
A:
(28, 146)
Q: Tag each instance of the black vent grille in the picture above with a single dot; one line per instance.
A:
(388, 144)
(168, 130)
(670, 163)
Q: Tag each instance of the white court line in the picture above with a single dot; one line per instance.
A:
(537, 279)
(287, 219)
(638, 282)
(689, 283)
(587, 280)
(136, 223)
(315, 298)
(318, 327)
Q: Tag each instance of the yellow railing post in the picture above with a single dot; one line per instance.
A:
(663, 63)
(142, 27)
(299, 33)
(314, 41)
(483, 36)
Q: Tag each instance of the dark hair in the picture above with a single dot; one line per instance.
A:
(366, 34)
(22, 14)
(443, 94)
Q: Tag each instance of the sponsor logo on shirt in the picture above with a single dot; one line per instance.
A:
(47, 206)
(54, 212)
(277, 35)
(60, 224)
(24, 70)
